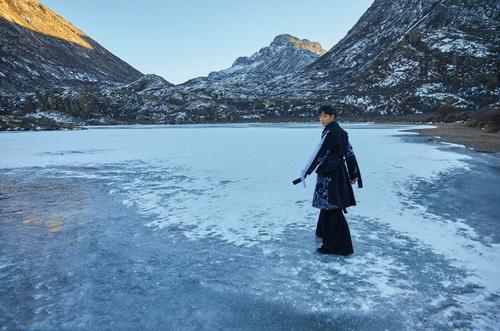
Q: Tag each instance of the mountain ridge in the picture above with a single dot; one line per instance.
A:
(401, 58)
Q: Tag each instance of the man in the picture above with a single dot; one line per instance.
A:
(333, 192)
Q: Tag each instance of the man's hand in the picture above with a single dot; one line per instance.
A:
(353, 181)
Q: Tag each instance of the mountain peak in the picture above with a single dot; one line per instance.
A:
(285, 55)
(289, 40)
(41, 49)
(37, 17)
(283, 46)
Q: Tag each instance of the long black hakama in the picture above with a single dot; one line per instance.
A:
(333, 229)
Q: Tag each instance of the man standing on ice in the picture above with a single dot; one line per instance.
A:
(333, 192)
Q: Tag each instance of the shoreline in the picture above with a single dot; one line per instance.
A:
(474, 138)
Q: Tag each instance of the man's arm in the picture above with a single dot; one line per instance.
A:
(352, 164)
(350, 157)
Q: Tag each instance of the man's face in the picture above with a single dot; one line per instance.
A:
(325, 119)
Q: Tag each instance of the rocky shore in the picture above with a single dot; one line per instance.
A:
(19, 123)
(458, 133)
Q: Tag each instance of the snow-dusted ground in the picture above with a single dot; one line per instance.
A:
(199, 226)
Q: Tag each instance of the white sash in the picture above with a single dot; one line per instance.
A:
(303, 172)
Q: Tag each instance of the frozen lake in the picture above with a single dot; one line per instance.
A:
(199, 227)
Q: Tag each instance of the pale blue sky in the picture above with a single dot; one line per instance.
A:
(179, 40)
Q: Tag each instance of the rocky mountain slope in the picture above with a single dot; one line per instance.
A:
(411, 56)
(401, 57)
(219, 97)
(40, 49)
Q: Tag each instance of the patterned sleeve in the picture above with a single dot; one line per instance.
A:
(350, 157)
(349, 151)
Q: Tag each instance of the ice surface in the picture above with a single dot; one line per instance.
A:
(226, 189)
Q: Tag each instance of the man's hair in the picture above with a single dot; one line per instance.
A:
(327, 109)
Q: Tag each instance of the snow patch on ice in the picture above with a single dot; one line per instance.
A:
(229, 182)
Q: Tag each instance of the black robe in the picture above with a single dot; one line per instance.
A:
(331, 160)
(333, 173)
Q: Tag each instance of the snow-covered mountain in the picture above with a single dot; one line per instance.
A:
(40, 49)
(410, 56)
(285, 55)
(401, 57)
(219, 97)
